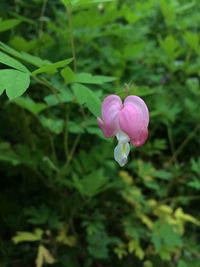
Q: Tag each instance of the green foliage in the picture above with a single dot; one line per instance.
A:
(85, 96)
(87, 186)
(11, 62)
(14, 82)
(30, 105)
(26, 236)
(8, 24)
(64, 201)
(50, 68)
(165, 239)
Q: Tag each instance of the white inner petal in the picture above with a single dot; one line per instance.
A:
(122, 137)
(121, 153)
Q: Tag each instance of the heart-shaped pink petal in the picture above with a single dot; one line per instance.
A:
(110, 111)
(134, 119)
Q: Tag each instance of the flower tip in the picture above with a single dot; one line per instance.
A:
(123, 161)
(100, 122)
(141, 140)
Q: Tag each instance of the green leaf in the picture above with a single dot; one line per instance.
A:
(65, 96)
(193, 85)
(193, 41)
(53, 125)
(75, 127)
(90, 79)
(14, 82)
(180, 215)
(66, 2)
(75, 3)
(30, 105)
(43, 214)
(165, 239)
(162, 174)
(51, 68)
(134, 246)
(68, 75)
(169, 12)
(43, 257)
(148, 264)
(89, 2)
(8, 24)
(28, 236)
(170, 46)
(11, 62)
(195, 165)
(36, 61)
(91, 184)
(8, 155)
(195, 183)
(96, 131)
(85, 96)
(182, 264)
(21, 44)
(98, 239)
(183, 8)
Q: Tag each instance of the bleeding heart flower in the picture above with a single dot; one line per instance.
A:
(128, 122)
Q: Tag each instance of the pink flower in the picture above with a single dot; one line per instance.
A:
(128, 122)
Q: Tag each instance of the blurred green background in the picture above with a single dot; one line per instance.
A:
(64, 201)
